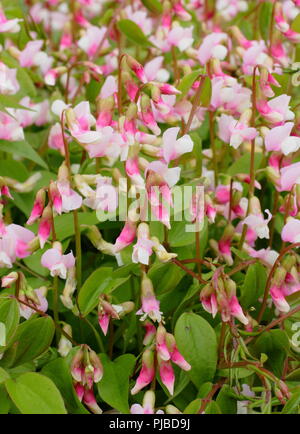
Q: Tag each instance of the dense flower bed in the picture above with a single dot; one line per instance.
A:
(149, 214)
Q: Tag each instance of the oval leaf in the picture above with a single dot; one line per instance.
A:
(134, 33)
(113, 388)
(97, 283)
(9, 316)
(186, 83)
(59, 372)
(197, 342)
(153, 6)
(23, 149)
(254, 284)
(32, 339)
(33, 393)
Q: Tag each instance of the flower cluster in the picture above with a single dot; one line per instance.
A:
(150, 180)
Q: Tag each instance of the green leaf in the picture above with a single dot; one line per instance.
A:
(59, 372)
(4, 375)
(242, 165)
(34, 393)
(101, 281)
(2, 334)
(179, 237)
(275, 344)
(254, 284)
(193, 407)
(11, 101)
(213, 408)
(265, 15)
(294, 376)
(226, 402)
(206, 92)
(291, 407)
(114, 386)
(197, 342)
(14, 169)
(33, 338)
(9, 316)
(186, 83)
(153, 6)
(134, 33)
(296, 24)
(5, 402)
(165, 277)
(23, 149)
(94, 285)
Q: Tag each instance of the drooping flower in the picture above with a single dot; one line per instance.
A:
(147, 372)
(150, 305)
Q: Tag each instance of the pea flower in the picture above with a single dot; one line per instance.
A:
(56, 262)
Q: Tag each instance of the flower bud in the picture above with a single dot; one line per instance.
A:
(77, 367)
(166, 373)
(136, 67)
(45, 225)
(38, 206)
(64, 345)
(150, 333)
(170, 409)
(147, 372)
(279, 276)
(147, 115)
(9, 279)
(55, 197)
(288, 262)
(105, 313)
(161, 346)
(176, 356)
(69, 289)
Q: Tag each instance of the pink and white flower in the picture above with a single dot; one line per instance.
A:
(8, 26)
(90, 42)
(258, 224)
(291, 231)
(150, 305)
(142, 250)
(234, 132)
(172, 148)
(212, 47)
(280, 139)
(277, 110)
(56, 262)
(14, 243)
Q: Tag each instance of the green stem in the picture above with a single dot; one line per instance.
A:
(196, 104)
(29, 270)
(75, 212)
(213, 146)
(55, 307)
(78, 248)
(198, 252)
(252, 156)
